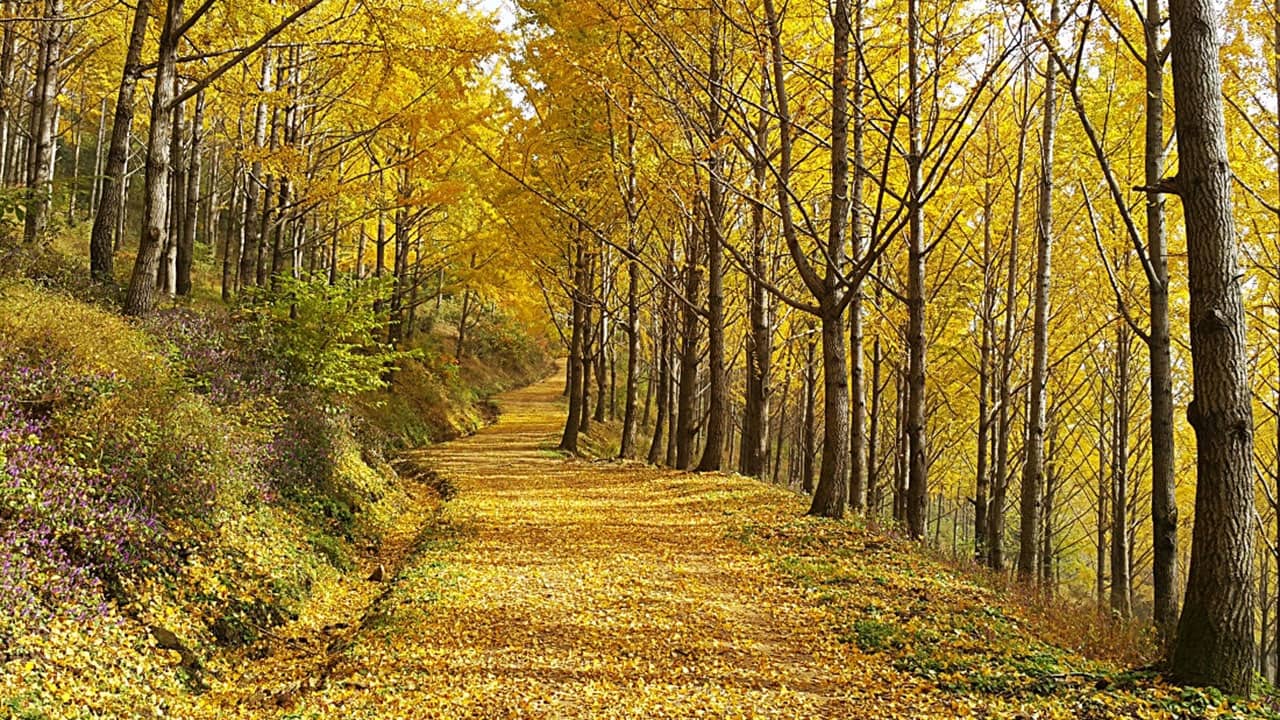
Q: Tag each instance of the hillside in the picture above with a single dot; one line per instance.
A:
(178, 493)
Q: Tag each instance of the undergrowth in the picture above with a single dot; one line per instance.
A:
(992, 650)
(183, 484)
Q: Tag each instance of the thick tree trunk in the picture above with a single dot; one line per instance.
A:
(1215, 639)
(755, 422)
(141, 296)
(832, 493)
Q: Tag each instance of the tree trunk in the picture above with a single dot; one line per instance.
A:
(663, 390)
(874, 488)
(140, 298)
(1164, 506)
(1001, 474)
(1104, 492)
(1033, 466)
(73, 188)
(8, 141)
(569, 438)
(627, 447)
(1046, 527)
(1121, 590)
(587, 289)
(249, 263)
(917, 457)
(810, 410)
(187, 242)
(832, 493)
(1215, 639)
(233, 238)
(713, 450)
(857, 389)
(43, 122)
(986, 319)
(685, 425)
(755, 422)
(168, 276)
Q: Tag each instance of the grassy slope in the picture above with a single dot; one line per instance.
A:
(251, 564)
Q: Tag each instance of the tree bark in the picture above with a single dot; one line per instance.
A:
(569, 438)
(1215, 641)
(187, 242)
(1121, 585)
(1004, 429)
(1033, 465)
(140, 298)
(917, 499)
(713, 449)
(43, 122)
(755, 423)
(1164, 506)
(686, 427)
(832, 493)
(857, 389)
(253, 191)
(809, 421)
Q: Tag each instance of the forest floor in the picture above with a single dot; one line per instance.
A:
(564, 588)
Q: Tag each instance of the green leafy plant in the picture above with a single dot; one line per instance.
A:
(325, 335)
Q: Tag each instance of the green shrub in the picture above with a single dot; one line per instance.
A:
(324, 336)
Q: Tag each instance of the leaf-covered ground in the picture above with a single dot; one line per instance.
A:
(553, 588)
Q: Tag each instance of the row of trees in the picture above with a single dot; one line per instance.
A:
(217, 147)
(887, 252)
(895, 252)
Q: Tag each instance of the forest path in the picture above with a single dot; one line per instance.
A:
(569, 589)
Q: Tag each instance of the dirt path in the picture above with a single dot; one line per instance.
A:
(567, 589)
